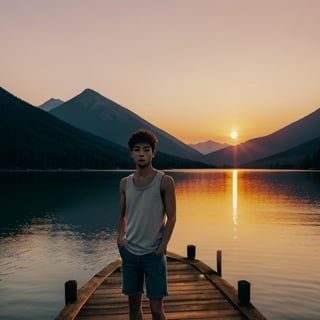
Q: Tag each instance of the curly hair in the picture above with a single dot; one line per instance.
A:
(143, 136)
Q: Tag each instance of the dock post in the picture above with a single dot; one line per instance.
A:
(70, 291)
(219, 262)
(191, 251)
(244, 292)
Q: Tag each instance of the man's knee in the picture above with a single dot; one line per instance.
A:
(157, 310)
(134, 303)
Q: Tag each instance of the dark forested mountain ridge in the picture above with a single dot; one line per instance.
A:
(31, 138)
(292, 135)
(303, 156)
(34, 139)
(96, 114)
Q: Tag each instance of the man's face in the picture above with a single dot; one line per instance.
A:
(142, 154)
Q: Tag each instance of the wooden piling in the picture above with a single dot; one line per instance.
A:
(191, 283)
(191, 252)
(219, 262)
(70, 290)
(244, 292)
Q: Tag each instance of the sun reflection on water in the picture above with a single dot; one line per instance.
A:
(235, 202)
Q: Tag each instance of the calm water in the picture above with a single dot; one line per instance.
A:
(61, 226)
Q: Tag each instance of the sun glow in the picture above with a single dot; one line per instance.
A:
(234, 134)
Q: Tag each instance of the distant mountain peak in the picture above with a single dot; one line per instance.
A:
(51, 104)
(93, 112)
(91, 93)
(88, 90)
(92, 97)
(295, 134)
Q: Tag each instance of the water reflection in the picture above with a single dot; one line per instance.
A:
(58, 226)
(86, 202)
(54, 226)
(235, 201)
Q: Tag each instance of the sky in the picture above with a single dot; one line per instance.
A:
(197, 69)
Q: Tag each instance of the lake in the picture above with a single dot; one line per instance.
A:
(57, 226)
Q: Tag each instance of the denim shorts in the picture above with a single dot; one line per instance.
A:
(148, 267)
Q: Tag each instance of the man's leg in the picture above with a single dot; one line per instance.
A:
(135, 310)
(155, 268)
(157, 310)
(132, 282)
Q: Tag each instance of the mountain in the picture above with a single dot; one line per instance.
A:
(34, 139)
(290, 136)
(208, 146)
(303, 156)
(51, 104)
(96, 114)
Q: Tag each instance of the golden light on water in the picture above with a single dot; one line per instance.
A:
(234, 194)
(215, 206)
(235, 201)
(235, 189)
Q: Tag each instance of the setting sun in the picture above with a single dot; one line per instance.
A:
(234, 134)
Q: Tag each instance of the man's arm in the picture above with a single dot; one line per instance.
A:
(169, 198)
(122, 219)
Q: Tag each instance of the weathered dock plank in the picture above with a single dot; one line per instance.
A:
(195, 292)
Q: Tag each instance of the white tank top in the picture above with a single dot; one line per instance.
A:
(145, 216)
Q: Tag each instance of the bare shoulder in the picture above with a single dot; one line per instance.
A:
(123, 183)
(167, 182)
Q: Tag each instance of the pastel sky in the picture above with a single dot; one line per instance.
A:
(195, 68)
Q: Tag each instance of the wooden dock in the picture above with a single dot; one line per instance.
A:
(195, 292)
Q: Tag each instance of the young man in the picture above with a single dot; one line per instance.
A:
(147, 219)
